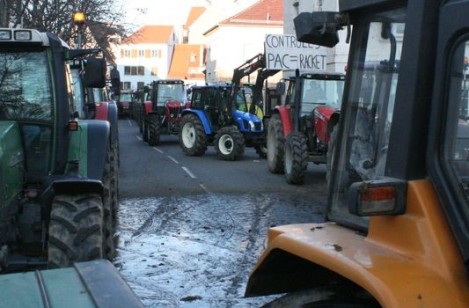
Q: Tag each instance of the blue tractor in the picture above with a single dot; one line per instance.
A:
(219, 115)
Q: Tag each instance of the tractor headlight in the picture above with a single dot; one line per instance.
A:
(252, 126)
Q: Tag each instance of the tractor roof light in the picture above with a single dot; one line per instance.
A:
(386, 196)
(5, 35)
(23, 35)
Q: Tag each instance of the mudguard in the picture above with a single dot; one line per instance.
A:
(86, 284)
(398, 270)
(89, 147)
(322, 116)
(108, 111)
(203, 118)
(284, 113)
(102, 111)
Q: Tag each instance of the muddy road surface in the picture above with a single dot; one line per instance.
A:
(191, 229)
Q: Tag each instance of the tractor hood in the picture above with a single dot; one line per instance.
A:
(248, 121)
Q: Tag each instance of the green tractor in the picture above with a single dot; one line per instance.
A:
(56, 172)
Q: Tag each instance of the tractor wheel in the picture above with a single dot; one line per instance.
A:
(343, 296)
(192, 137)
(296, 158)
(331, 148)
(275, 144)
(153, 129)
(110, 209)
(145, 131)
(139, 115)
(261, 150)
(229, 143)
(75, 229)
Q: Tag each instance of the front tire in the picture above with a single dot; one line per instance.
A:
(229, 143)
(275, 145)
(75, 229)
(192, 137)
(296, 158)
(153, 125)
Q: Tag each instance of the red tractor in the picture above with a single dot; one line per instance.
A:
(161, 108)
(300, 129)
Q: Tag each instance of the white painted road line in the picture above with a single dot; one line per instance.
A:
(158, 150)
(204, 188)
(173, 159)
(130, 122)
(189, 172)
(139, 138)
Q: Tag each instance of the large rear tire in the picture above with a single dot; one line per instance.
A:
(229, 143)
(192, 137)
(109, 209)
(75, 229)
(275, 145)
(296, 158)
(153, 129)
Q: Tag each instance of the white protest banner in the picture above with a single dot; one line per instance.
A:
(284, 52)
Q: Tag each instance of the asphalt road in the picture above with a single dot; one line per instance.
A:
(192, 228)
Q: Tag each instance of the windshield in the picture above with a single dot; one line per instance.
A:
(369, 110)
(24, 96)
(125, 97)
(167, 92)
(243, 98)
(321, 92)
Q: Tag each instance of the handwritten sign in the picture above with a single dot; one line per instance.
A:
(284, 52)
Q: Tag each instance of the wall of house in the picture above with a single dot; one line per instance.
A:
(231, 46)
(154, 58)
(337, 56)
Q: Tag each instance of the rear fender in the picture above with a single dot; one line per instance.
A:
(108, 112)
(398, 270)
(89, 147)
(87, 284)
(76, 185)
(202, 117)
(322, 117)
(102, 111)
(148, 107)
(285, 116)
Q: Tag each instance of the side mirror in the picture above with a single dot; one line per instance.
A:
(115, 81)
(95, 73)
(281, 87)
(319, 28)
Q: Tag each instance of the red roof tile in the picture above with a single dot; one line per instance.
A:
(194, 13)
(151, 35)
(263, 11)
(187, 59)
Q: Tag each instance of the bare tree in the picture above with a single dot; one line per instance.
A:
(101, 24)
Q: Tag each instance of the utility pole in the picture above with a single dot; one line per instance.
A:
(79, 20)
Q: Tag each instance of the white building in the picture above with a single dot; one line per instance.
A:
(337, 56)
(145, 56)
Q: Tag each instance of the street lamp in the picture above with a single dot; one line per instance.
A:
(79, 20)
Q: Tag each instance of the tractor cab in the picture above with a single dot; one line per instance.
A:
(396, 226)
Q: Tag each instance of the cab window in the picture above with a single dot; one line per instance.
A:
(370, 106)
(455, 148)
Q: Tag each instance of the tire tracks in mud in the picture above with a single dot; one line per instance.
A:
(263, 205)
(161, 215)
